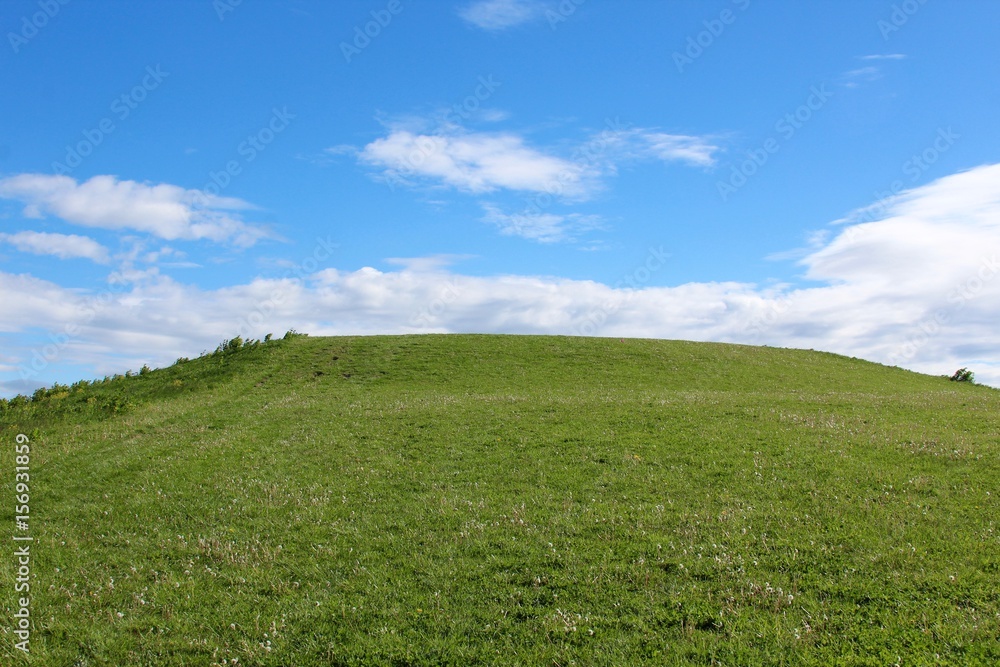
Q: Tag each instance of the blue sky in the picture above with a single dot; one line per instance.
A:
(817, 175)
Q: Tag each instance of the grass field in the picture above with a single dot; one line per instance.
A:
(508, 500)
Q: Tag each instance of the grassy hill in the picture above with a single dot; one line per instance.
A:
(461, 500)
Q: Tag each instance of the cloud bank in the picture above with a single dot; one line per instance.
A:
(163, 210)
(917, 288)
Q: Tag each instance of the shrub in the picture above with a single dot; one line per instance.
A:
(963, 375)
(118, 403)
(145, 369)
(229, 345)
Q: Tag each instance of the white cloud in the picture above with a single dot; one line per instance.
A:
(163, 210)
(425, 264)
(919, 287)
(538, 226)
(495, 15)
(868, 73)
(493, 115)
(63, 246)
(341, 149)
(621, 143)
(698, 151)
(480, 162)
(474, 162)
(884, 56)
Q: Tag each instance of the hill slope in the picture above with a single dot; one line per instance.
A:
(510, 500)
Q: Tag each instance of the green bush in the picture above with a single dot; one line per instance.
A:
(118, 403)
(963, 375)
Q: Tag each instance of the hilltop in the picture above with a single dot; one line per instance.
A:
(482, 499)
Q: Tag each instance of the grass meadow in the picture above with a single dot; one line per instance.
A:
(508, 500)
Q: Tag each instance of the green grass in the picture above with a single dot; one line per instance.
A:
(510, 500)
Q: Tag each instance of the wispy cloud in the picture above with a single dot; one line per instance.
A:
(538, 226)
(163, 210)
(63, 246)
(645, 143)
(474, 162)
(872, 72)
(869, 73)
(884, 56)
(428, 263)
(416, 153)
(483, 162)
(495, 15)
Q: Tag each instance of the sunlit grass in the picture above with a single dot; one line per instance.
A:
(512, 500)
